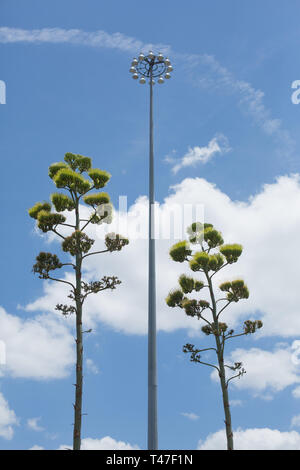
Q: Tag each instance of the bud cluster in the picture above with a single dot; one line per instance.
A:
(236, 290)
(46, 262)
(216, 330)
(77, 242)
(115, 242)
(252, 326)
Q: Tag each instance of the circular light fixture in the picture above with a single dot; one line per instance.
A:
(151, 68)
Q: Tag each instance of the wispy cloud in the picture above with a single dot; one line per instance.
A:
(32, 423)
(91, 366)
(195, 155)
(203, 70)
(295, 421)
(77, 36)
(296, 392)
(236, 403)
(206, 72)
(191, 416)
(8, 419)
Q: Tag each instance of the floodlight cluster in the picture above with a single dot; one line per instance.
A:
(151, 67)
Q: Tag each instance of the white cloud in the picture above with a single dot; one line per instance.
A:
(262, 368)
(99, 38)
(236, 402)
(191, 416)
(106, 443)
(296, 392)
(36, 447)
(8, 419)
(267, 226)
(203, 155)
(39, 348)
(253, 439)
(295, 421)
(91, 366)
(32, 423)
(116, 308)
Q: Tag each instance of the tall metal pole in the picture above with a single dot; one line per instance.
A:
(152, 368)
(143, 68)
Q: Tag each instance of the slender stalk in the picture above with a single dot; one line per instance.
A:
(152, 372)
(95, 253)
(79, 347)
(222, 375)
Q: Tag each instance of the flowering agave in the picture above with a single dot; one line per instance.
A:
(68, 176)
(208, 263)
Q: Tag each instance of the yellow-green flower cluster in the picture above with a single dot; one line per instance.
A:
(202, 261)
(174, 298)
(180, 251)
(199, 232)
(95, 200)
(231, 252)
(47, 220)
(188, 284)
(62, 202)
(99, 177)
(55, 167)
(78, 162)
(38, 207)
(69, 179)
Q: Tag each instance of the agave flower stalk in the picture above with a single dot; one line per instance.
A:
(212, 256)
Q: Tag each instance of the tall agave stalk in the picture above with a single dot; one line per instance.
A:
(68, 175)
(211, 256)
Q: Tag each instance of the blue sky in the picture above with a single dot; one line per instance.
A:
(234, 63)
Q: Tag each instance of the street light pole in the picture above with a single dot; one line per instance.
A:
(151, 67)
(152, 372)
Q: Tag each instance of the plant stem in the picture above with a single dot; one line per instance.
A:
(79, 346)
(220, 354)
